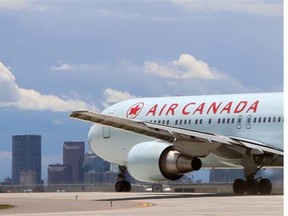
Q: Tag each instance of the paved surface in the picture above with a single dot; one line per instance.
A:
(94, 203)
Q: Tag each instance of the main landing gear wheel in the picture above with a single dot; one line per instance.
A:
(252, 186)
(239, 186)
(122, 185)
(265, 186)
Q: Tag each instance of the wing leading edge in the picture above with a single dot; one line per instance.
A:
(170, 133)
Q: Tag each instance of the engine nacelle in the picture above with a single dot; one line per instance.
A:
(156, 161)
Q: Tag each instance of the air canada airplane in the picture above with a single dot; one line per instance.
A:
(161, 138)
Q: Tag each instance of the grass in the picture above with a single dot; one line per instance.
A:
(5, 206)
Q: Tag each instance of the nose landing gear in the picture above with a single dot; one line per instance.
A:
(122, 185)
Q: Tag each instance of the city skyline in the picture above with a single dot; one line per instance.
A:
(202, 175)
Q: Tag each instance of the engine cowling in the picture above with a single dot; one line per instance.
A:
(156, 161)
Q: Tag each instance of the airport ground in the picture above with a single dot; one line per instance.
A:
(141, 203)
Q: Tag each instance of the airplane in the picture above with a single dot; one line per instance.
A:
(159, 139)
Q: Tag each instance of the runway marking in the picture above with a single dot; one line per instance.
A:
(147, 205)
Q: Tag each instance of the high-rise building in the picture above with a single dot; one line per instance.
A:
(59, 174)
(26, 159)
(94, 168)
(73, 155)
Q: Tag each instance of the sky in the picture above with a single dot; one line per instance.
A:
(59, 56)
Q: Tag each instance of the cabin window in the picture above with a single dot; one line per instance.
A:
(200, 121)
(209, 121)
(239, 121)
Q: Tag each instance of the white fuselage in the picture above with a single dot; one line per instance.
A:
(257, 117)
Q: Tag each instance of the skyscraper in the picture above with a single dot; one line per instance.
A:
(59, 174)
(26, 159)
(73, 155)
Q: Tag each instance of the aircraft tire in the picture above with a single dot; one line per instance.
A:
(252, 186)
(239, 186)
(265, 186)
(123, 186)
(119, 186)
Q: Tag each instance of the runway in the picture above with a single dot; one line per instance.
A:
(96, 203)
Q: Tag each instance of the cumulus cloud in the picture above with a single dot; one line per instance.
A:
(113, 96)
(254, 7)
(183, 76)
(186, 67)
(28, 99)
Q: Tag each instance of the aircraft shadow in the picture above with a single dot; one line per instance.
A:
(166, 196)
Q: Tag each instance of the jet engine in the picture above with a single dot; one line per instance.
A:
(156, 161)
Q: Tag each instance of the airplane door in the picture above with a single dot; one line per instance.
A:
(248, 122)
(239, 122)
(106, 132)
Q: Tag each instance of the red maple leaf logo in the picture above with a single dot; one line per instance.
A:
(134, 110)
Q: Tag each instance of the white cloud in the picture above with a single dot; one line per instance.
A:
(64, 67)
(256, 7)
(29, 99)
(22, 5)
(115, 14)
(113, 96)
(5, 155)
(186, 67)
(14, 4)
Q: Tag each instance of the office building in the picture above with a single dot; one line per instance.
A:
(26, 159)
(59, 174)
(73, 156)
(94, 168)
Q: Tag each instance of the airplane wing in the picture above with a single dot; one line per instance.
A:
(170, 133)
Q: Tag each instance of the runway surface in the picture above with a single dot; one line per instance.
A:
(96, 203)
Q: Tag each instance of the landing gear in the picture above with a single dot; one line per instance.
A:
(252, 186)
(122, 185)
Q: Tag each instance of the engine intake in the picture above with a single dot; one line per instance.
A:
(156, 161)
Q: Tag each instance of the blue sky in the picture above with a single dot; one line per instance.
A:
(58, 56)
